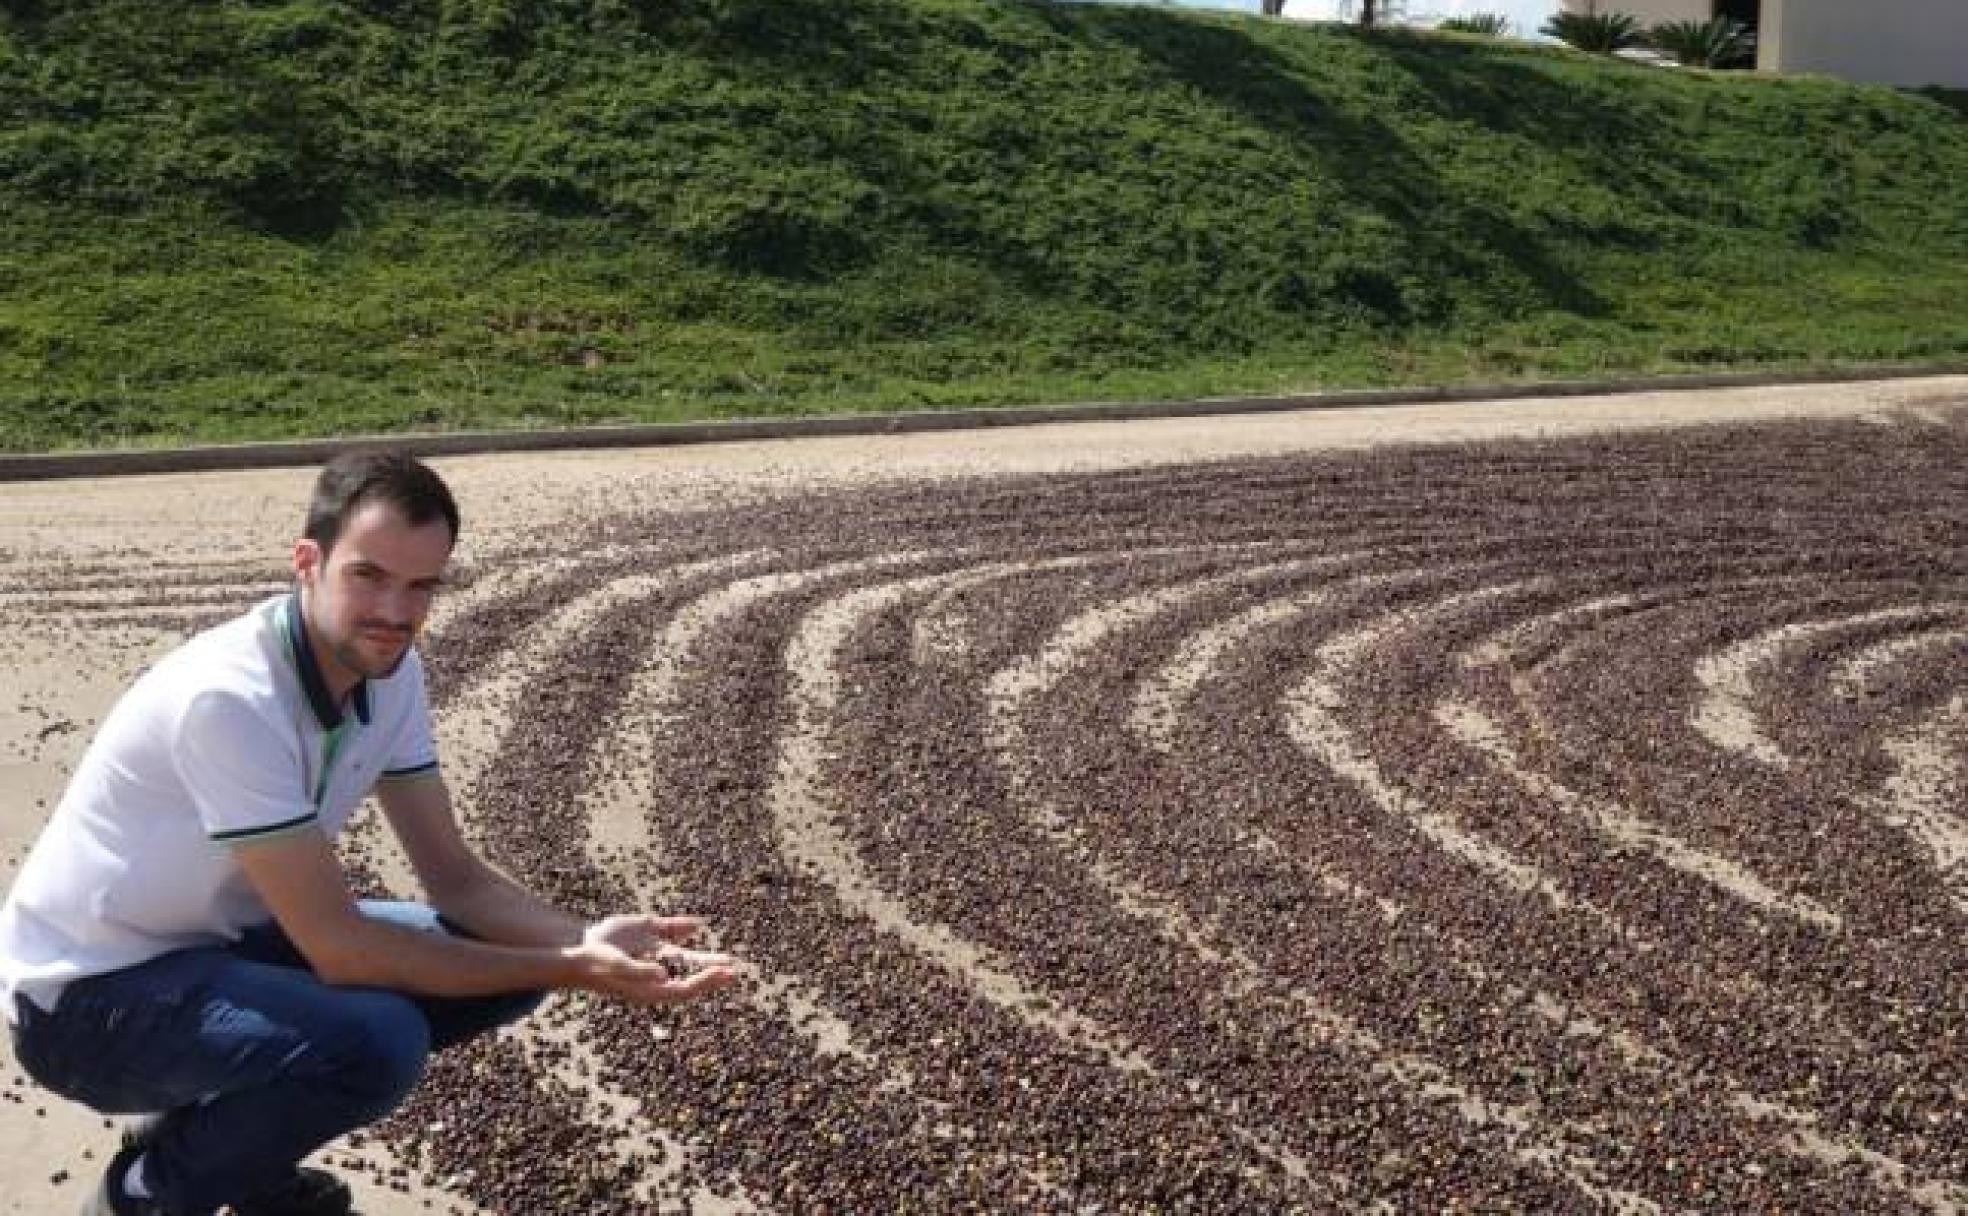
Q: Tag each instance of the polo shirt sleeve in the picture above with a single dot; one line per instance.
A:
(241, 771)
(412, 754)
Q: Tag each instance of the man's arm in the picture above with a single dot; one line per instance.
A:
(301, 881)
(492, 907)
(458, 882)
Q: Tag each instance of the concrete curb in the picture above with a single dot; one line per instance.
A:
(103, 463)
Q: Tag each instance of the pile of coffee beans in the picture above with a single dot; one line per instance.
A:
(1366, 837)
(1248, 977)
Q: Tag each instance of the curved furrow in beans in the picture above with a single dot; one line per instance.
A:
(1756, 1146)
(1509, 944)
(1097, 834)
(1835, 719)
(1044, 1095)
(1287, 834)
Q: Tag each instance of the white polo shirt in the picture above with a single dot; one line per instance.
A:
(228, 739)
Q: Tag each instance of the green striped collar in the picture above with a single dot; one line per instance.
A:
(313, 683)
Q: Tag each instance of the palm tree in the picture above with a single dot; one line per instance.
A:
(1371, 12)
(1494, 25)
(1601, 34)
(1701, 44)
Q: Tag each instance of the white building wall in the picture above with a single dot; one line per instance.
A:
(1902, 42)
(1651, 12)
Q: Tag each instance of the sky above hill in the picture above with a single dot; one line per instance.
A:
(1525, 15)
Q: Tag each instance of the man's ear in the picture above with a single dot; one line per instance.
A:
(308, 561)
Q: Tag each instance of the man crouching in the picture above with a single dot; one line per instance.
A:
(182, 942)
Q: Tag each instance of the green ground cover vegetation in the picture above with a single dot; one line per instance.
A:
(229, 220)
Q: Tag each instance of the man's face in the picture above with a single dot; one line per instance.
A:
(367, 597)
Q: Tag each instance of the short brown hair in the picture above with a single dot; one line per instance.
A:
(354, 479)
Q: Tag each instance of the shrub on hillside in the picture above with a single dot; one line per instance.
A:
(1494, 25)
(1598, 33)
(1953, 99)
(803, 221)
(831, 204)
(1702, 44)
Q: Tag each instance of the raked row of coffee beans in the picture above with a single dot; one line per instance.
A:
(1568, 826)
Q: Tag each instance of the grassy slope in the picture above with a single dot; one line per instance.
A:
(349, 215)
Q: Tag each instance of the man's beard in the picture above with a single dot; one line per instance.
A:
(353, 659)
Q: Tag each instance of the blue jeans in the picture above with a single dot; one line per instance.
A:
(256, 1061)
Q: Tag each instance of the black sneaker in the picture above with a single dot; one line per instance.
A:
(306, 1192)
(109, 1197)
